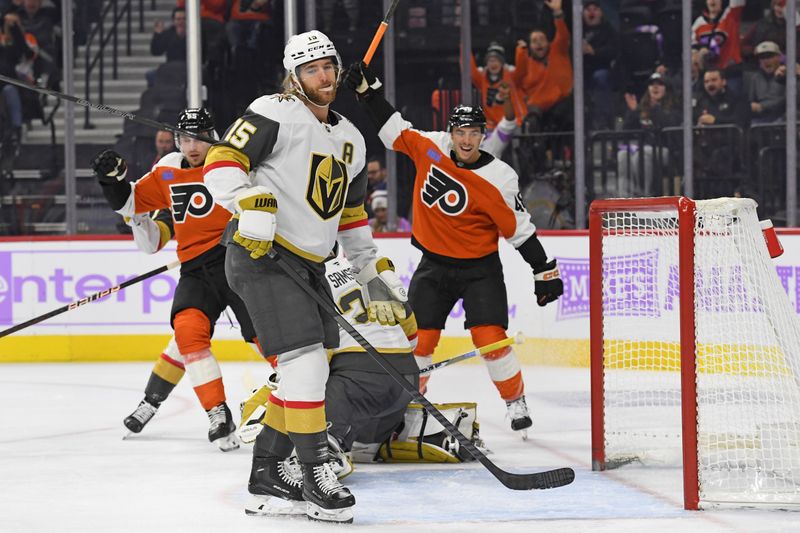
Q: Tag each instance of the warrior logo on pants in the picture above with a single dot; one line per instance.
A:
(192, 199)
(444, 191)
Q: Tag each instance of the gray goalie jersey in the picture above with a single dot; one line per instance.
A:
(314, 169)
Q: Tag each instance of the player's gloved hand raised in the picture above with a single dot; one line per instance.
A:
(547, 283)
(255, 209)
(360, 79)
(383, 292)
(109, 167)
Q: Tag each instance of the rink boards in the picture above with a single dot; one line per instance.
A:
(133, 324)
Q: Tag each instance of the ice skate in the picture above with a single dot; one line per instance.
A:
(221, 430)
(327, 499)
(520, 417)
(138, 419)
(276, 488)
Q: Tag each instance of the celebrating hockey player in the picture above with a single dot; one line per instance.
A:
(202, 293)
(293, 173)
(463, 198)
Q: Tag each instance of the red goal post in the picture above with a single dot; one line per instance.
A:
(694, 349)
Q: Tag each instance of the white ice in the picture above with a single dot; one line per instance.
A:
(64, 466)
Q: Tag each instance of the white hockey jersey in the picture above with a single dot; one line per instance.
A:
(347, 295)
(314, 169)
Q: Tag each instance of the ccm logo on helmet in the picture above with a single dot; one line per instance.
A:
(190, 199)
(444, 191)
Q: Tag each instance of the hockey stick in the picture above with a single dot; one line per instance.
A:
(108, 109)
(519, 338)
(538, 480)
(376, 40)
(89, 299)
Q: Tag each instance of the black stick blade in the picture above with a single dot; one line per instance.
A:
(549, 479)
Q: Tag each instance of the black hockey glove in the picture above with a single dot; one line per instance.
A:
(360, 79)
(109, 167)
(547, 283)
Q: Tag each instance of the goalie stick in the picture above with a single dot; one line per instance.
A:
(519, 338)
(384, 25)
(89, 299)
(537, 480)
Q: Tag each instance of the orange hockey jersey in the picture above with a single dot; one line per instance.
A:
(721, 36)
(198, 220)
(459, 210)
(488, 89)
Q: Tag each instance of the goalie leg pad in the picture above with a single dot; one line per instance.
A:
(424, 440)
(253, 412)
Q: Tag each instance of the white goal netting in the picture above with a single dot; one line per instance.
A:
(747, 352)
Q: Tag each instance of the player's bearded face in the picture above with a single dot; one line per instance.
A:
(318, 79)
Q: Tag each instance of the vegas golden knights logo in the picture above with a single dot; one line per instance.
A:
(327, 185)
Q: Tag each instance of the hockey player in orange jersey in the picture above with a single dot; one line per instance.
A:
(202, 294)
(463, 198)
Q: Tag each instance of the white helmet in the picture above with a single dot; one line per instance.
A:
(306, 47)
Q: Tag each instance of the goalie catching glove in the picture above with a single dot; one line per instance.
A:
(547, 283)
(360, 79)
(383, 292)
(109, 167)
(255, 209)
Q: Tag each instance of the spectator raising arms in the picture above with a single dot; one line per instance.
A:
(715, 36)
(170, 41)
(488, 80)
(544, 70)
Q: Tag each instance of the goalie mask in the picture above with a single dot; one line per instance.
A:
(467, 115)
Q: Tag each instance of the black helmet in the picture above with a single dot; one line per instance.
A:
(196, 119)
(467, 115)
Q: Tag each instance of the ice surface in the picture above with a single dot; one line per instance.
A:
(64, 466)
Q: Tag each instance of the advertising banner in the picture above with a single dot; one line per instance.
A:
(39, 276)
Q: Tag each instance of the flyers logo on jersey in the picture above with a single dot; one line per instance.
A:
(327, 185)
(190, 199)
(444, 191)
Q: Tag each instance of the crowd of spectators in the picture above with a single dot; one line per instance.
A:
(632, 59)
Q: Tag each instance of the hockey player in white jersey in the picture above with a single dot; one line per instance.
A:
(293, 173)
(362, 402)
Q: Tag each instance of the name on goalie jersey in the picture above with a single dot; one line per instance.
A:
(444, 191)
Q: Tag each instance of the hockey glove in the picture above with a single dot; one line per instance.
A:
(360, 79)
(383, 292)
(255, 209)
(109, 167)
(547, 283)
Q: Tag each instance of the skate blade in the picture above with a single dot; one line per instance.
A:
(340, 516)
(227, 444)
(524, 434)
(274, 506)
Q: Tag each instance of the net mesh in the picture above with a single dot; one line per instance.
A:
(747, 352)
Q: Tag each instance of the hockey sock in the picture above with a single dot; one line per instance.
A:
(167, 372)
(502, 364)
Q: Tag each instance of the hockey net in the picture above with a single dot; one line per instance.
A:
(695, 349)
